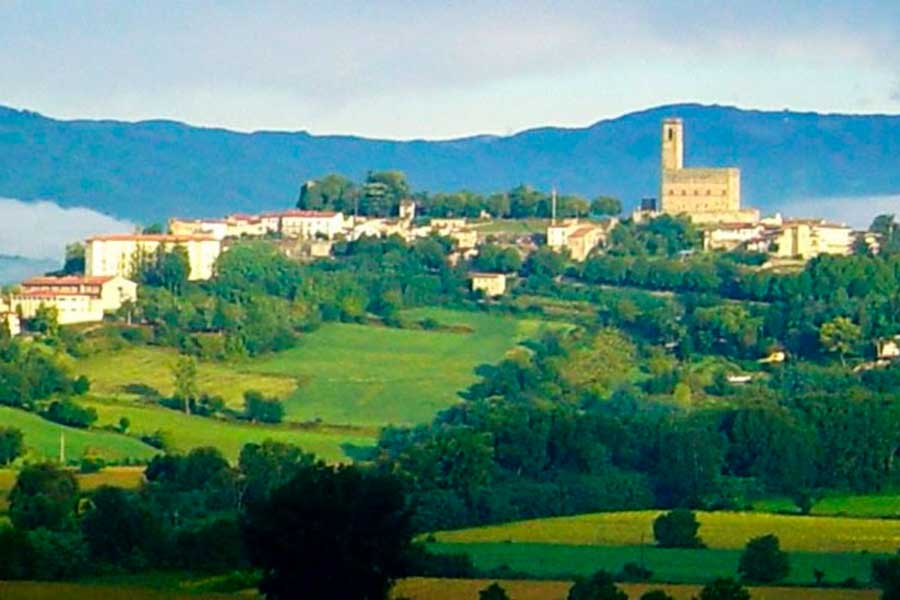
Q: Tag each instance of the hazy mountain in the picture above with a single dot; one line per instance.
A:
(14, 269)
(149, 170)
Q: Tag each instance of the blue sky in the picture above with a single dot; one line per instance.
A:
(409, 69)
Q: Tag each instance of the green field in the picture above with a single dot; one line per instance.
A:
(111, 374)
(885, 505)
(721, 530)
(229, 437)
(512, 226)
(369, 375)
(28, 590)
(42, 439)
(669, 565)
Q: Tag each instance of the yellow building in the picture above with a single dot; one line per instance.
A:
(807, 238)
(305, 224)
(107, 255)
(216, 228)
(70, 307)
(9, 319)
(111, 291)
(491, 284)
(705, 195)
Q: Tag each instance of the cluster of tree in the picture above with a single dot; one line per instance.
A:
(381, 193)
(332, 531)
(557, 429)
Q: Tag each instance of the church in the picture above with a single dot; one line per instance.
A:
(705, 195)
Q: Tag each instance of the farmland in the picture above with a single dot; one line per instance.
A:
(669, 565)
(885, 505)
(724, 530)
(421, 588)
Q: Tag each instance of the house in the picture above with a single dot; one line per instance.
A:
(446, 226)
(109, 255)
(304, 224)
(240, 225)
(112, 291)
(217, 228)
(808, 238)
(578, 237)
(407, 210)
(887, 349)
(491, 284)
(730, 236)
(9, 319)
(466, 239)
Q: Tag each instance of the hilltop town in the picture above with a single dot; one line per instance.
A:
(708, 198)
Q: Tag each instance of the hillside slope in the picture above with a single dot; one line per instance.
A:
(149, 170)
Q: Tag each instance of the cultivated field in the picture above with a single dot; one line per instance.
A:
(727, 530)
(123, 477)
(552, 561)
(26, 590)
(886, 505)
(467, 589)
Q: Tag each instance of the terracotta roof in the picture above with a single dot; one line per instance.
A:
(197, 221)
(582, 231)
(487, 275)
(151, 237)
(300, 214)
(67, 280)
(52, 294)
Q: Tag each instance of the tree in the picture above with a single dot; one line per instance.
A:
(677, 529)
(184, 372)
(332, 192)
(12, 445)
(763, 560)
(45, 320)
(599, 586)
(262, 409)
(332, 532)
(493, 592)
(118, 529)
(74, 259)
(840, 336)
(44, 497)
(724, 589)
(886, 574)
(69, 412)
(606, 205)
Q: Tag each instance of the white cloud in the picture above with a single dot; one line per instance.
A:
(42, 229)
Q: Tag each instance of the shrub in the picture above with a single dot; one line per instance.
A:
(260, 408)
(724, 589)
(677, 529)
(68, 412)
(764, 561)
(633, 571)
(599, 586)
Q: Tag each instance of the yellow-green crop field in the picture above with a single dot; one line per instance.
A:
(727, 530)
(123, 477)
(467, 589)
(29, 590)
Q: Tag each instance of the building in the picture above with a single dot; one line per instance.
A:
(491, 284)
(111, 291)
(466, 239)
(108, 255)
(9, 319)
(70, 307)
(216, 228)
(731, 236)
(240, 225)
(578, 237)
(407, 210)
(705, 195)
(304, 224)
(807, 238)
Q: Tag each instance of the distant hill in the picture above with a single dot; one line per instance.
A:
(149, 170)
(14, 269)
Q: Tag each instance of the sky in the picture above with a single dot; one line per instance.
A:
(441, 69)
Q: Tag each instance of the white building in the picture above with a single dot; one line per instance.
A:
(305, 224)
(578, 237)
(111, 291)
(108, 255)
(807, 238)
(491, 284)
(729, 236)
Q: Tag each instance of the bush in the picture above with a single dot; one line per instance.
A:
(12, 444)
(724, 589)
(677, 529)
(58, 554)
(763, 560)
(262, 409)
(599, 586)
(493, 592)
(67, 412)
(633, 571)
(656, 595)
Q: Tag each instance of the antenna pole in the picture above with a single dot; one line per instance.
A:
(553, 206)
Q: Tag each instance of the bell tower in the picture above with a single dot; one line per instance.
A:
(672, 144)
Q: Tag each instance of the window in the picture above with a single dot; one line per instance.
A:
(671, 134)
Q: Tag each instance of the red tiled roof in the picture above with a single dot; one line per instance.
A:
(300, 214)
(581, 232)
(67, 280)
(51, 294)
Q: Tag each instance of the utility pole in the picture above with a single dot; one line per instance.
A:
(62, 447)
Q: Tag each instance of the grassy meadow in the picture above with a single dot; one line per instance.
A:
(29, 590)
(42, 439)
(422, 588)
(188, 431)
(876, 505)
(364, 375)
(720, 530)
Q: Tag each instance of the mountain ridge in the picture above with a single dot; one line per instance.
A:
(151, 169)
